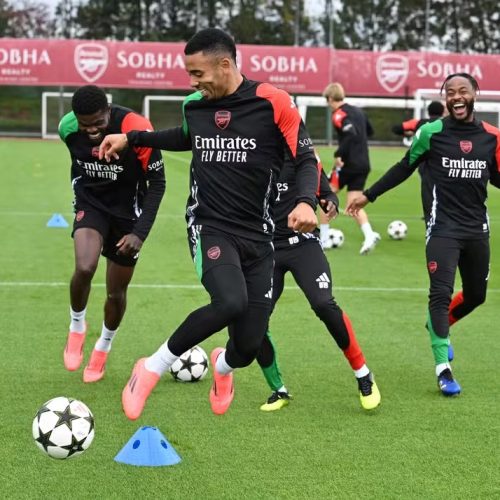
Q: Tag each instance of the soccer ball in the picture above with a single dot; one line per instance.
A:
(397, 230)
(335, 239)
(190, 366)
(63, 427)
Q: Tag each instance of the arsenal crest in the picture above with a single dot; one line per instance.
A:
(213, 253)
(466, 146)
(432, 266)
(392, 71)
(91, 60)
(222, 119)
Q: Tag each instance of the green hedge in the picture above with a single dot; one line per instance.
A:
(20, 111)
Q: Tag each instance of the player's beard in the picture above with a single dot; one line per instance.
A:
(469, 110)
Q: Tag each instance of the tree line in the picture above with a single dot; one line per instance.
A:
(448, 25)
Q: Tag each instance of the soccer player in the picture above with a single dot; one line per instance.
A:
(408, 128)
(115, 207)
(352, 163)
(303, 256)
(237, 131)
(458, 154)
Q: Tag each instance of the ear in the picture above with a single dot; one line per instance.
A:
(225, 63)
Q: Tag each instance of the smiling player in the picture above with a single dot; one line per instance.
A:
(457, 155)
(115, 206)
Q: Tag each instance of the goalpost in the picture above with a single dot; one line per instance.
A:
(54, 106)
(317, 114)
(164, 111)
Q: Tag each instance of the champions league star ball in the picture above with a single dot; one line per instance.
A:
(335, 239)
(63, 428)
(397, 230)
(190, 366)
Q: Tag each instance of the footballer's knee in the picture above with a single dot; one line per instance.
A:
(231, 306)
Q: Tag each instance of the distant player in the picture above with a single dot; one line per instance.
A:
(352, 162)
(115, 206)
(408, 128)
(458, 155)
(302, 255)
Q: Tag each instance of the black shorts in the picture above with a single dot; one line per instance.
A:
(355, 181)
(112, 229)
(211, 248)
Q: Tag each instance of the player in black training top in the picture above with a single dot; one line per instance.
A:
(237, 131)
(115, 206)
(408, 128)
(458, 155)
(302, 255)
(352, 162)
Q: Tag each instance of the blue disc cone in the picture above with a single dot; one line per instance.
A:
(148, 447)
(57, 220)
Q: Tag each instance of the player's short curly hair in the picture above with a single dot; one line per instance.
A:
(211, 41)
(471, 79)
(88, 100)
(435, 108)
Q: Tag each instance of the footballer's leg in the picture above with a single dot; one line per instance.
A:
(474, 271)
(442, 260)
(117, 280)
(371, 238)
(247, 331)
(225, 290)
(268, 362)
(267, 356)
(474, 267)
(355, 185)
(87, 246)
(324, 222)
(313, 275)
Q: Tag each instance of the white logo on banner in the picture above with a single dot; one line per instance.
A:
(392, 71)
(91, 60)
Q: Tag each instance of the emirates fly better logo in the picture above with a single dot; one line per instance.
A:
(91, 60)
(222, 119)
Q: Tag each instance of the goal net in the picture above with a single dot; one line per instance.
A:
(382, 112)
(54, 106)
(385, 112)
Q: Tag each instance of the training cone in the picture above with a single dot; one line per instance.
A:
(57, 220)
(148, 447)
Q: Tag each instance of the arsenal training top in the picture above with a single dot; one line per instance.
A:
(457, 159)
(238, 145)
(353, 129)
(130, 187)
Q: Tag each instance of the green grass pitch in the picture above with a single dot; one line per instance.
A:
(417, 445)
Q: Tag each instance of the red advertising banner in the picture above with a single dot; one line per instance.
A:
(298, 70)
(391, 74)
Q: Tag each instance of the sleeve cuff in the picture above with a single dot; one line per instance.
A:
(371, 197)
(311, 203)
(132, 137)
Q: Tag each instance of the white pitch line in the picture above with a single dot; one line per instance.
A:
(172, 286)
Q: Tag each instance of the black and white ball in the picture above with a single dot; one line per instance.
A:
(63, 427)
(335, 239)
(190, 366)
(397, 230)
